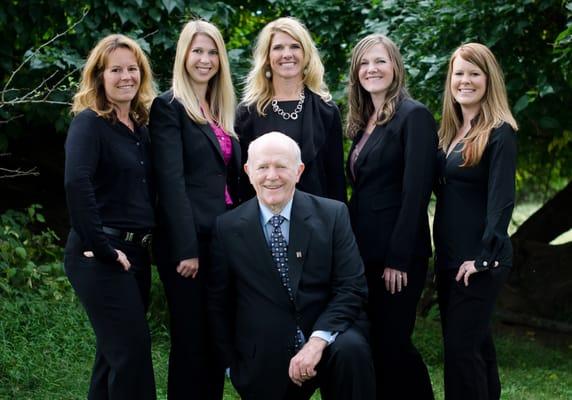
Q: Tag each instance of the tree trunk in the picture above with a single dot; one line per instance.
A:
(541, 281)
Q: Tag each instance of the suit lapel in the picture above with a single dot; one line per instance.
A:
(300, 234)
(206, 129)
(236, 156)
(258, 254)
(376, 139)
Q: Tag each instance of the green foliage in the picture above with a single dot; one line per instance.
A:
(529, 39)
(29, 261)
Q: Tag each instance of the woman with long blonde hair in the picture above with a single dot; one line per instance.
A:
(285, 91)
(475, 199)
(391, 169)
(109, 190)
(196, 162)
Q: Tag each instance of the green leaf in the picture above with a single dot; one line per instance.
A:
(21, 252)
(521, 104)
(169, 5)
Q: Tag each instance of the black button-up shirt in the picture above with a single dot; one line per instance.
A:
(107, 180)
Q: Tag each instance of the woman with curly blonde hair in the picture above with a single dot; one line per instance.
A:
(475, 199)
(109, 190)
(285, 92)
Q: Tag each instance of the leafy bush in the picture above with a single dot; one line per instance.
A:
(30, 261)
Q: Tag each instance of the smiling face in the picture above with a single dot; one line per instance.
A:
(202, 61)
(273, 170)
(376, 71)
(121, 77)
(468, 83)
(286, 57)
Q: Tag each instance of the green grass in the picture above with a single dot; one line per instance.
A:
(46, 351)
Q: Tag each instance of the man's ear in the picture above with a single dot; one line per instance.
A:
(247, 174)
(299, 171)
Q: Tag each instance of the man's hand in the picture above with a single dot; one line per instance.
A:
(303, 365)
(188, 267)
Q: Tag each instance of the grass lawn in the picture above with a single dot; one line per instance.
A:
(46, 351)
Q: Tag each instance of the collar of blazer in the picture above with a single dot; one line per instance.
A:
(253, 238)
(235, 159)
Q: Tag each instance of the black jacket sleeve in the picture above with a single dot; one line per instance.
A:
(500, 194)
(335, 177)
(83, 149)
(175, 212)
(419, 137)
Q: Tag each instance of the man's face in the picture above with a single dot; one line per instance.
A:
(274, 172)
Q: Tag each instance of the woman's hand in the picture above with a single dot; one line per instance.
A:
(188, 267)
(122, 259)
(467, 269)
(394, 279)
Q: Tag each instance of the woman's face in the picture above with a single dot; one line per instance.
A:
(376, 71)
(202, 61)
(121, 77)
(468, 83)
(286, 57)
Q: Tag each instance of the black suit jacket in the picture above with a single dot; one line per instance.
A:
(321, 146)
(394, 175)
(253, 319)
(190, 177)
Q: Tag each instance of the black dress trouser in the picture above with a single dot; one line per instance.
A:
(194, 372)
(400, 370)
(116, 302)
(471, 371)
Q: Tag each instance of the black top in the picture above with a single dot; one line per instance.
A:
(107, 180)
(394, 174)
(318, 131)
(474, 204)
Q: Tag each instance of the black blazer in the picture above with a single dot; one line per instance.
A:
(392, 187)
(190, 177)
(482, 197)
(321, 147)
(253, 319)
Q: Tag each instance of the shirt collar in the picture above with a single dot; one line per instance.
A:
(267, 214)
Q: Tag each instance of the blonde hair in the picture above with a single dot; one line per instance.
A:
(91, 92)
(220, 92)
(494, 105)
(258, 88)
(360, 105)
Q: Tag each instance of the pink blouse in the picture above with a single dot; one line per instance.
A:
(225, 143)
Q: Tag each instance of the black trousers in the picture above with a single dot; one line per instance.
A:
(345, 371)
(471, 370)
(400, 370)
(116, 302)
(194, 372)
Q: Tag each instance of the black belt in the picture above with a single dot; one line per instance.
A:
(141, 238)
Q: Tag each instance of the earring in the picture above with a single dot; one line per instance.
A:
(268, 74)
(305, 71)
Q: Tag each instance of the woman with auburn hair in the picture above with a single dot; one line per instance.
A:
(110, 196)
(196, 162)
(475, 199)
(285, 92)
(391, 170)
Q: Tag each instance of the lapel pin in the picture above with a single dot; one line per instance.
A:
(298, 254)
